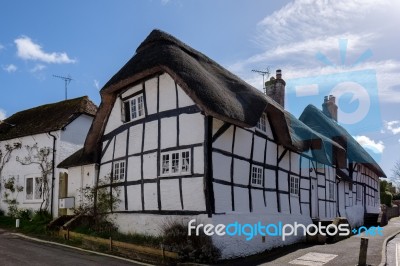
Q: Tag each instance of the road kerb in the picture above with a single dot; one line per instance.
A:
(384, 260)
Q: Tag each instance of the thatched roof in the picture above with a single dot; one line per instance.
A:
(323, 149)
(45, 118)
(318, 121)
(216, 91)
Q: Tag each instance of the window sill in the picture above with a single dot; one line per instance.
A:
(32, 201)
(133, 120)
(175, 174)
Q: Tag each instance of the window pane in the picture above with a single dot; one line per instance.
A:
(122, 170)
(29, 188)
(116, 171)
(38, 188)
(185, 161)
(165, 164)
(175, 162)
(133, 108)
(140, 106)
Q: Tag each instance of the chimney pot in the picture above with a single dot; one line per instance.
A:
(329, 107)
(278, 74)
(275, 88)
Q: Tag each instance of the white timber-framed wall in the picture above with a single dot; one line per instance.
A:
(156, 117)
(171, 122)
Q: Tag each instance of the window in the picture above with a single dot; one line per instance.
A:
(256, 175)
(359, 191)
(331, 191)
(33, 188)
(350, 187)
(119, 171)
(294, 185)
(175, 162)
(376, 197)
(133, 108)
(262, 123)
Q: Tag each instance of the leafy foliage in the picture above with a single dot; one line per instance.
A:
(5, 156)
(195, 248)
(386, 198)
(97, 202)
(10, 195)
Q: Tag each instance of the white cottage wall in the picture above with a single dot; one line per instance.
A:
(171, 122)
(21, 172)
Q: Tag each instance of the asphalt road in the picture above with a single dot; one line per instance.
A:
(15, 250)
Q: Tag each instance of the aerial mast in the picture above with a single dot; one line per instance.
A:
(263, 73)
(67, 80)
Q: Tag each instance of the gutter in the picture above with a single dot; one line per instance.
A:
(53, 172)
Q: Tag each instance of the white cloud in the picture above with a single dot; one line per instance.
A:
(393, 126)
(164, 2)
(291, 37)
(2, 114)
(10, 68)
(1, 46)
(37, 68)
(96, 84)
(367, 143)
(305, 19)
(28, 50)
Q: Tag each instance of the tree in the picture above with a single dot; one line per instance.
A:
(41, 158)
(396, 172)
(5, 155)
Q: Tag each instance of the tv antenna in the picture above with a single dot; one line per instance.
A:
(67, 80)
(263, 73)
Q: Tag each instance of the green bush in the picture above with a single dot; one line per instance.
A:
(396, 196)
(42, 216)
(192, 248)
(1, 212)
(24, 214)
(386, 198)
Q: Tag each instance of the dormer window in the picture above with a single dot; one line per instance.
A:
(262, 123)
(133, 108)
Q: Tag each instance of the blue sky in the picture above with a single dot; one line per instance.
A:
(91, 40)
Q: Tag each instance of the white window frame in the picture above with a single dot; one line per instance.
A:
(257, 175)
(262, 123)
(119, 171)
(294, 186)
(176, 162)
(331, 190)
(136, 107)
(34, 184)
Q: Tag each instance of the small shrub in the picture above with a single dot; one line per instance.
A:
(24, 214)
(193, 248)
(1, 212)
(42, 216)
(386, 198)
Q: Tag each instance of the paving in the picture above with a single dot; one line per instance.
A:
(341, 253)
(393, 251)
(16, 250)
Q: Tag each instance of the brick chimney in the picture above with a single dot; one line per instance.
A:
(329, 107)
(275, 88)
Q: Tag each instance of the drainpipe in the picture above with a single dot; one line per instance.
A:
(53, 172)
(337, 197)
